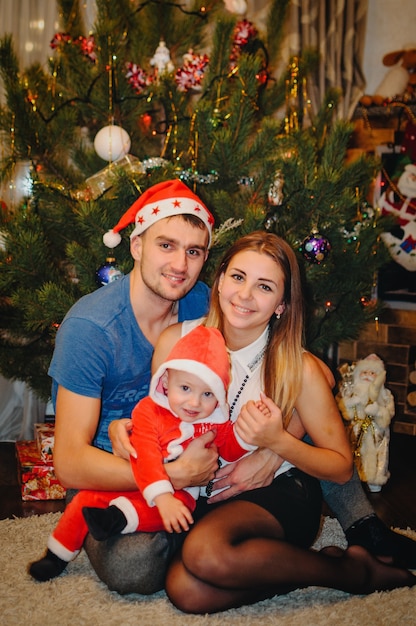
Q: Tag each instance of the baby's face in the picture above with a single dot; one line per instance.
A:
(189, 397)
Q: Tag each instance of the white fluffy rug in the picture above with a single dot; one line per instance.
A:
(78, 598)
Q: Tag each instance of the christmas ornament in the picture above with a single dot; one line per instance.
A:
(18, 186)
(112, 143)
(246, 41)
(365, 215)
(137, 77)
(161, 60)
(270, 221)
(145, 123)
(87, 47)
(196, 177)
(154, 162)
(189, 77)
(239, 7)
(108, 272)
(315, 248)
(244, 32)
(98, 183)
(275, 195)
(59, 39)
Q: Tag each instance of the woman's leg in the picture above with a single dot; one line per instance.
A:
(237, 555)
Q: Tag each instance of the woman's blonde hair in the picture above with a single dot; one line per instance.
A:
(282, 364)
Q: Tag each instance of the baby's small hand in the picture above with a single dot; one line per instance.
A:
(261, 406)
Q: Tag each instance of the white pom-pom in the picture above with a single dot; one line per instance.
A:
(111, 239)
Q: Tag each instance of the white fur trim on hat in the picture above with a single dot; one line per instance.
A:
(166, 199)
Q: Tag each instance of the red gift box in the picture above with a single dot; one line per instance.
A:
(37, 478)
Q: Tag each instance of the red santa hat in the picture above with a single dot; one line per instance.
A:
(201, 352)
(166, 199)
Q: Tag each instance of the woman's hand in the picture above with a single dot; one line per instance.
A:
(260, 423)
(251, 472)
(119, 433)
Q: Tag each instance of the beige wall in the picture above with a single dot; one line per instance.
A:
(391, 24)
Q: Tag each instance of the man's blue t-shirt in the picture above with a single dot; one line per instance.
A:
(100, 351)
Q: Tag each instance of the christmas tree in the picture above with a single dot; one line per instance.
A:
(161, 90)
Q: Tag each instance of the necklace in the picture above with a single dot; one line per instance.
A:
(251, 366)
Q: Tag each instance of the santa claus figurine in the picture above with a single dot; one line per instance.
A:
(367, 407)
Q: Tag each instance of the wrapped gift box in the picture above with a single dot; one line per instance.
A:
(45, 437)
(37, 478)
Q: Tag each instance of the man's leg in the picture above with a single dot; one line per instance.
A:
(361, 525)
(134, 563)
(348, 502)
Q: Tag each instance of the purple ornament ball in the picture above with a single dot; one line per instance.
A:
(315, 248)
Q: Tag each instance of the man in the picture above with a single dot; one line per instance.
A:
(102, 360)
(102, 366)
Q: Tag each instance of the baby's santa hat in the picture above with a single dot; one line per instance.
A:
(166, 199)
(201, 352)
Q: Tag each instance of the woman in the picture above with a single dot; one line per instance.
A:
(255, 545)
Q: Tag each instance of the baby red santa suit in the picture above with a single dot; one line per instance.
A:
(160, 437)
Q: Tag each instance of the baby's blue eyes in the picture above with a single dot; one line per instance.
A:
(207, 394)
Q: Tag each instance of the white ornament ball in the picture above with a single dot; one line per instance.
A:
(112, 143)
(18, 186)
(239, 7)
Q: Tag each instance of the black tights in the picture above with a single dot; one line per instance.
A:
(237, 555)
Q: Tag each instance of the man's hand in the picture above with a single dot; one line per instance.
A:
(254, 471)
(119, 434)
(175, 514)
(197, 464)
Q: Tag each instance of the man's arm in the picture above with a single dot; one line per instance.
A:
(78, 463)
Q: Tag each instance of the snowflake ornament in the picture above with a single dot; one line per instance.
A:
(137, 77)
(190, 75)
